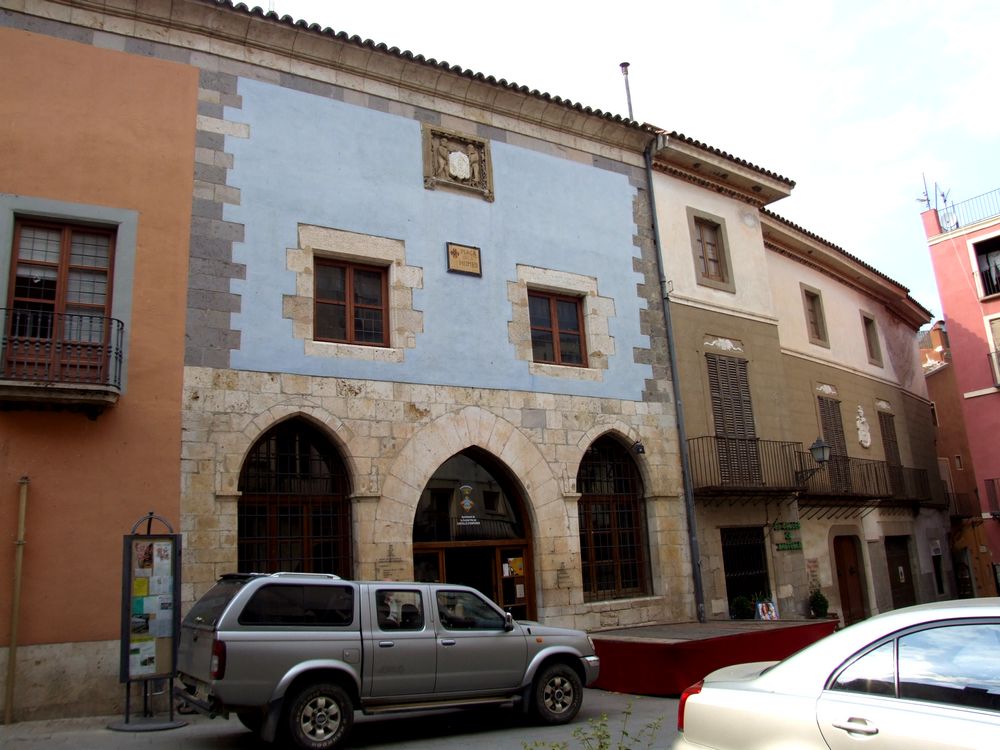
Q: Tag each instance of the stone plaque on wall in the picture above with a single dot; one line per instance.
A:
(458, 161)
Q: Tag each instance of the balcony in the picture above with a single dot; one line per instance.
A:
(744, 468)
(970, 211)
(993, 496)
(59, 361)
(963, 505)
(852, 486)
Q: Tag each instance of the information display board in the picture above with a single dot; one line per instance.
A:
(150, 606)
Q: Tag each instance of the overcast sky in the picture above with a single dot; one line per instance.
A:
(853, 100)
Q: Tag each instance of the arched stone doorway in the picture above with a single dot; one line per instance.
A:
(470, 528)
(294, 513)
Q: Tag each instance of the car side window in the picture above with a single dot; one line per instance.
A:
(285, 604)
(956, 664)
(463, 610)
(399, 609)
(873, 673)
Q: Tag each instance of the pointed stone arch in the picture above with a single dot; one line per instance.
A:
(385, 525)
(626, 434)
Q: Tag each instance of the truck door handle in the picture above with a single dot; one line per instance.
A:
(447, 642)
(386, 644)
(856, 725)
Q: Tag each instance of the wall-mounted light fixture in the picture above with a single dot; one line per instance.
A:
(821, 455)
(638, 448)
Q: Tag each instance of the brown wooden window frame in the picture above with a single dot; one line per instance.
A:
(553, 299)
(350, 305)
(870, 329)
(55, 329)
(700, 224)
(812, 305)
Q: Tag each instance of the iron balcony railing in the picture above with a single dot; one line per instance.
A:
(40, 346)
(993, 495)
(970, 211)
(861, 477)
(742, 463)
(963, 505)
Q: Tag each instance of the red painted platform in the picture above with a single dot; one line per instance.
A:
(666, 659)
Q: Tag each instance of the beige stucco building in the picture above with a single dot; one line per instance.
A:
(781, 338)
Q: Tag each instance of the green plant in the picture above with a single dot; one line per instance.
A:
(597, 736)
(818, 603)
(741, 608)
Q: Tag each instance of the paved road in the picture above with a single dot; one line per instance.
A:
(496, 729)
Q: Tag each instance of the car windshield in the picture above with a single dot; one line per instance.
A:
(209, 608)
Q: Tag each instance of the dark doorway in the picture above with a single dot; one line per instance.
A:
(744, 560)
(897, 556)
(470, 529)
(847, 555)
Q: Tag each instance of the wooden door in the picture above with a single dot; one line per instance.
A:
(897, 556)
(850, 580)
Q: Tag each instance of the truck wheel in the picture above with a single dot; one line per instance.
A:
(320, 716)
(557, 694)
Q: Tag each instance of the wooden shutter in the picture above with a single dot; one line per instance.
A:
(887, 423)
(833, 433)
(732, 412)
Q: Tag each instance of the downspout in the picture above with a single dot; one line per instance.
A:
(699, 591)
(15, 607)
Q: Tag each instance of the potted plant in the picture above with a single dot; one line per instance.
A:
(741, 608)
(818, 603)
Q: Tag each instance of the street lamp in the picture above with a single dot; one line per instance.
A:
(821, 455)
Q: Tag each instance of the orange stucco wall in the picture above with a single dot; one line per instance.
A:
(98, 127)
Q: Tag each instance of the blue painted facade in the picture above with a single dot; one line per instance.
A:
(316, 160)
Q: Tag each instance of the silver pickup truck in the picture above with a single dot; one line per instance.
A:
(295, 655)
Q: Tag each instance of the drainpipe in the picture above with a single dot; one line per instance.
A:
(699, 591)
(15, 607)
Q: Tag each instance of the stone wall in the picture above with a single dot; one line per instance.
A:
(394, 436)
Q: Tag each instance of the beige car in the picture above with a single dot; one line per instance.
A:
(912, 679)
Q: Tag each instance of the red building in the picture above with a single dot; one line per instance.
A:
(964, 242)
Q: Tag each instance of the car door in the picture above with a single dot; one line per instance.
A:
(475, 652)
(932, 687)
(403, 649)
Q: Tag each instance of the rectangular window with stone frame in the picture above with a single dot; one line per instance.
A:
(557, 334)
(812, 304)
(710, 249)
(870, 329)
(351, 303)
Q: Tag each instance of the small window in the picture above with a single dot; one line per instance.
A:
(812, 302)
(351, 303)
(711, 256)
(874, 673)
(988, 262)
(285, 604)
(399, 609)
(870, 329)
(557, 335)
(463, 610)
(959, 464)
(956, 664)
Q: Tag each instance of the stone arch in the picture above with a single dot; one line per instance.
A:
(231, 462)
(385, 531)
(624, 433)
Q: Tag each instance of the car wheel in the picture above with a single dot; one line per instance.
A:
(320, 716)
(557, 694)
(252, 720)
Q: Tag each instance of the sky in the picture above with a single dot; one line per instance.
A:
(858, 102)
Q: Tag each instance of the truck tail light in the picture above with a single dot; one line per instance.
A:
(218, 660)
(693, 690)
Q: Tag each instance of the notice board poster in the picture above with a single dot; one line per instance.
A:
(150, 601)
